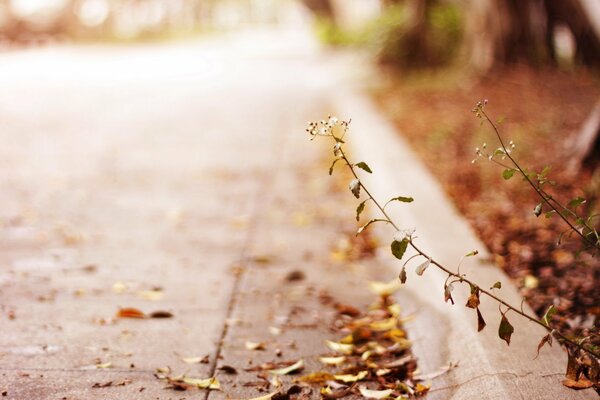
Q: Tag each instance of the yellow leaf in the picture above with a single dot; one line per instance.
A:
(104, 366)
(316, 377)
(208, 383)
(332, 360)
(192, 360)
(395, 309)
(385, 325)
(340, 347)
(351, 378)
(119, 288)
(151, 295)
(374, 394)
(255, 345)
(292, 368)
(385, 288)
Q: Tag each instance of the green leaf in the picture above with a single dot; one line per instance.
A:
(505, 330)
(499, 151)
(480, 321)
(355, 187)
(402, 199)
(549, 214)
(333, 165)
(473, 253)
(399, 248)
(547, 318)
(537, 210)
(402, 275)
(363, 165)
(421, 268)
(508, 173)
(576, 202)
(497, 285)
(360, 209)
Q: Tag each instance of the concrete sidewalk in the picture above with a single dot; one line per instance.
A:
(184, 183)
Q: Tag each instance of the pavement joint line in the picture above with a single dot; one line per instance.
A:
(264, 189)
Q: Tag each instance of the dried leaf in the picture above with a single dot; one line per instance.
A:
(547, 318)
(448, 293)
(545, 339)
(255, 345)
(161, 314)
(315, 377)
(402, 199)
(505, 330)
(104, 365)
(421, 268)
(228, 369)
(193, 360)
(130, 312)
(473, 301)
(402, 275)
(355, 187)
(384, 288)
(340, 347)
(362, 165)
(497, 285)
(399, 248)
(480, 321)
(582, 383)
(360, 209)
(208, 383)
(332, 360)
(537, 210)
(384, 325)
(374, 394)
(346, 378)
(297, 366)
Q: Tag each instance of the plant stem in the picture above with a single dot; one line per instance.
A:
(540, 192)
(462, 278)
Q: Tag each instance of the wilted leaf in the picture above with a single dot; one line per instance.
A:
(333, 165)
(448, 293)
(332, 360)
(384, 288)
(399, 248)
(351, 378)
(355, 187)
(537, 210)
(497, 285)
(104, 365)
(395, 309)
(374, 394)
(130, 312)
(421, 389)
(340, 347)
(297, 366)
(508, 173)
(480, 321)
(545, 339)
(547, 318)
(384, 325)
(228, 369)
(362, 165)
(208, 383)
(360, 209)
(255, 345)
(161, 314)
(421, 268)
(402, 275)
(473, 301)
(505, 330)
(315, 377)
(582, 383)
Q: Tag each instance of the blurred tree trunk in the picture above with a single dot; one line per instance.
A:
(501, 32)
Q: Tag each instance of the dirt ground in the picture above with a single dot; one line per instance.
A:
(541, 111)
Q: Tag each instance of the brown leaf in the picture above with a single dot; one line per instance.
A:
(161, 314)
(130, 312)
(582, 383)
(505, 330)
(473, 301)
(345, 309)
(228, 369)
(545, 339)
(480, 321)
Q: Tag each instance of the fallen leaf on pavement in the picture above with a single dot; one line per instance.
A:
(582, 383)
(351, 378)
(130, 312)
(297, 366)
(385, 288)
(340, 347)
(161, 314)
(374, 394)
(151, 295)
(332, 360)
(255, 345)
